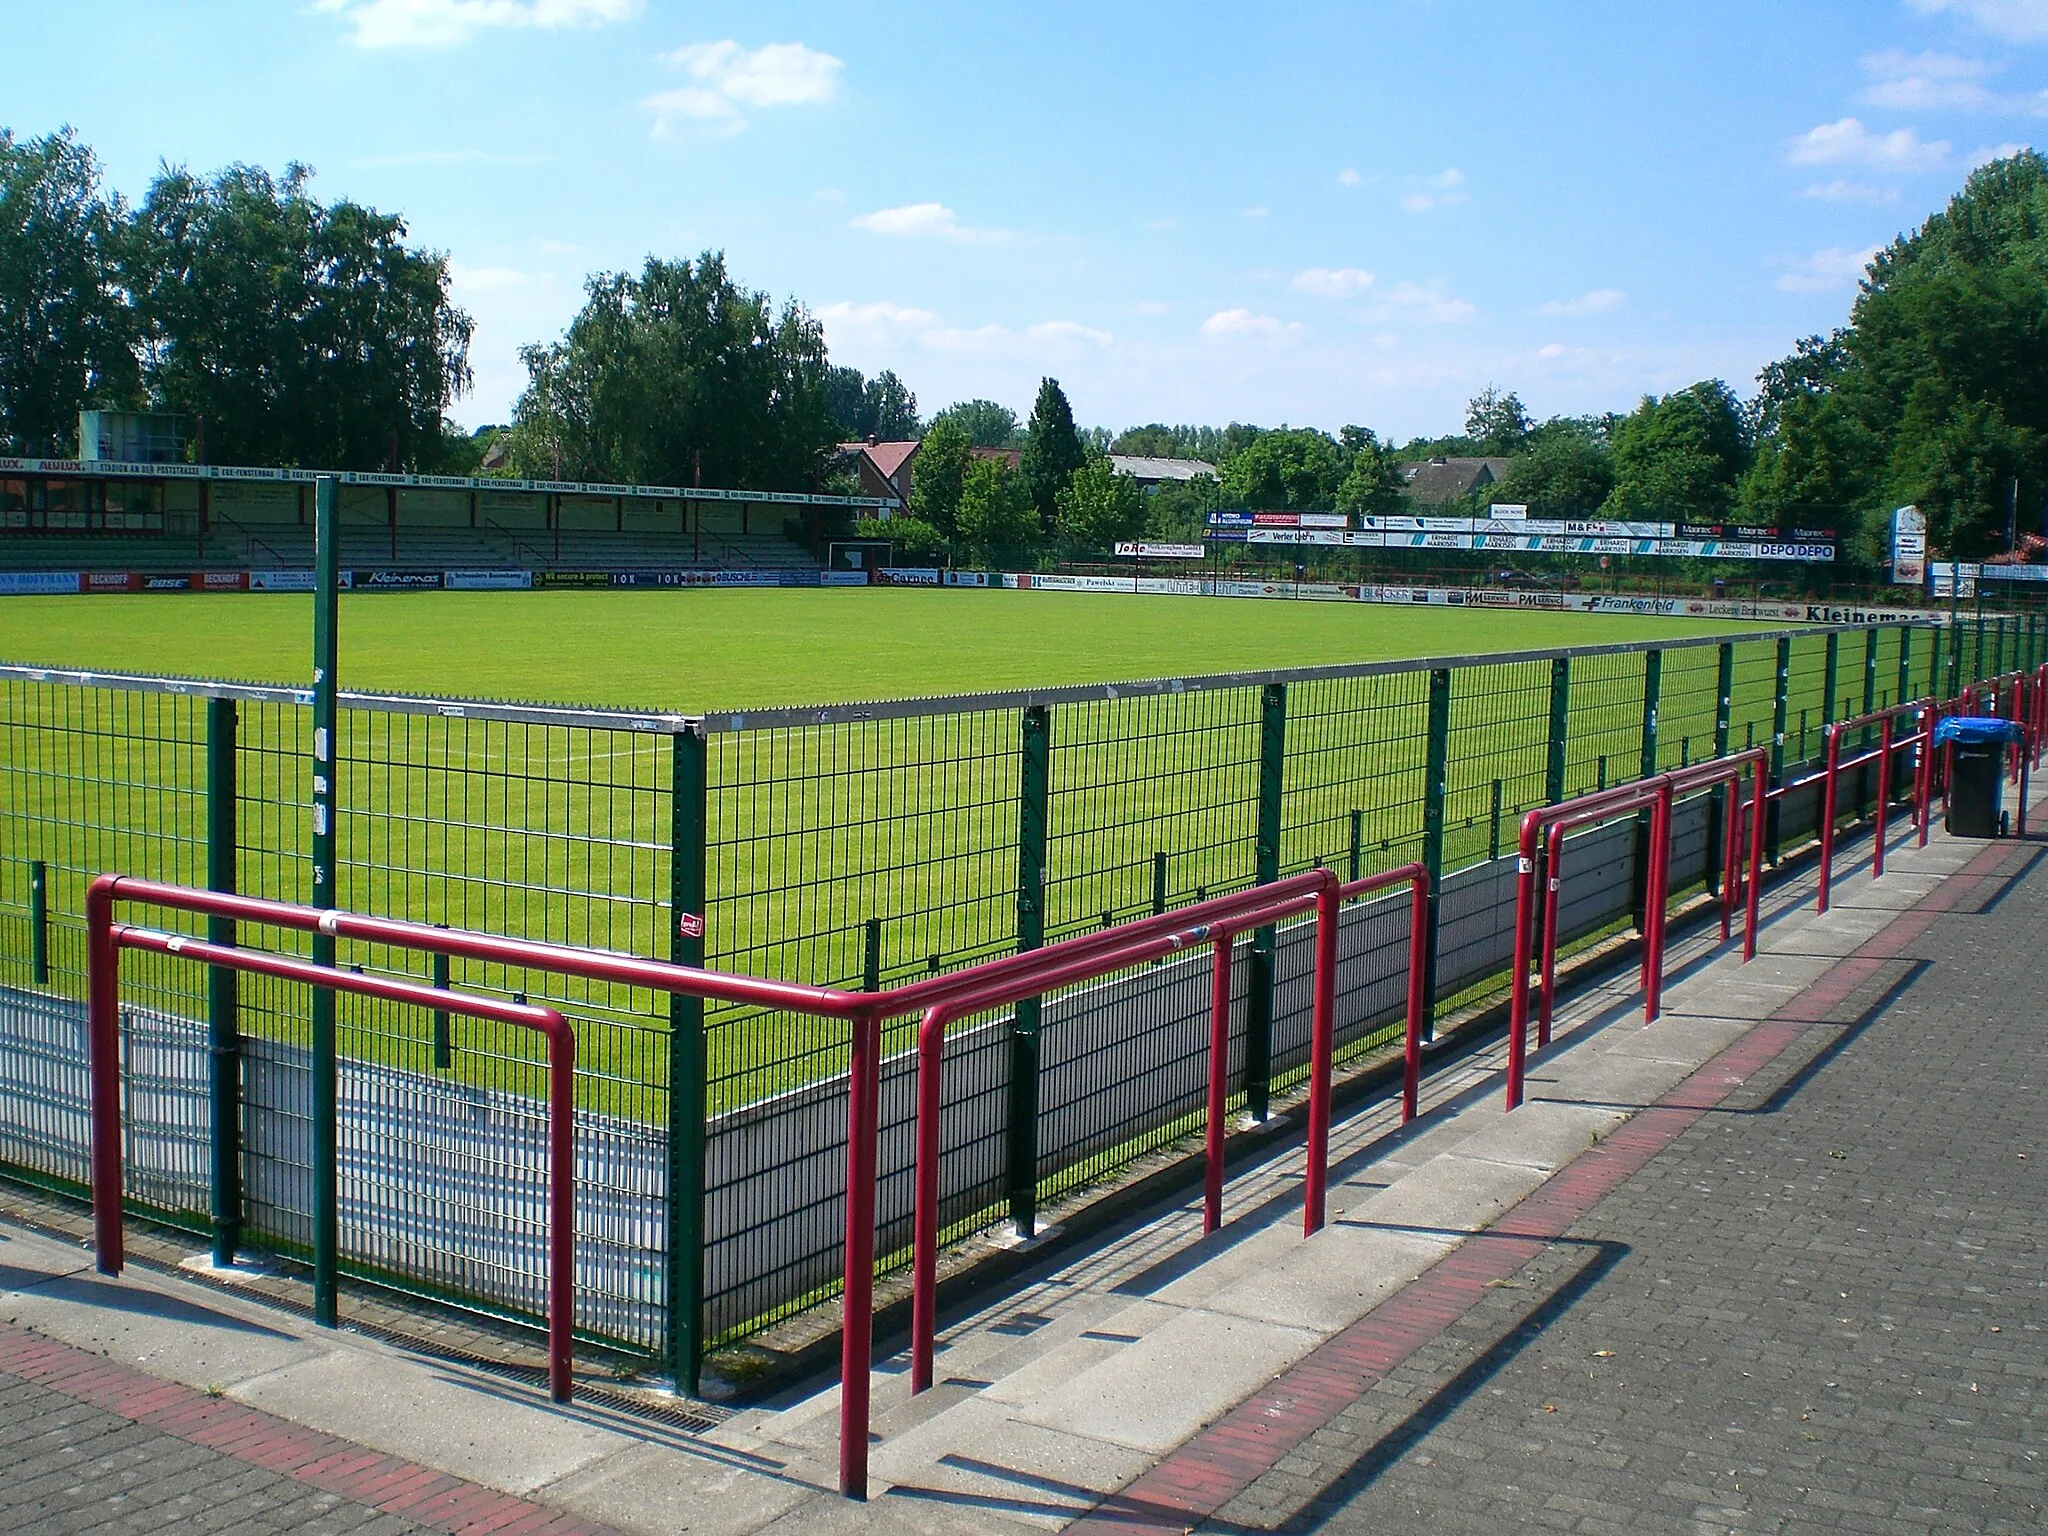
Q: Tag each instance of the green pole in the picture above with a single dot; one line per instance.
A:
(1870, 644)
(326, 888)
(1934, 689)
(224, 1037)
(39, 922)
(1653, 690)
(1724, 715)
(1779, 705)
(1906, 694)
(1560, 705)
(1831, 679)
(1435, 783)
(1258, 1041)
(688, 1064)
(1034, 804)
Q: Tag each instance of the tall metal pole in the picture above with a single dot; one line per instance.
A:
(689, 1071)
(1034, 822)
(326, 891)
(223, 1026)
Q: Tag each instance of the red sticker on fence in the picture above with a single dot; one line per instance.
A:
(690, 925)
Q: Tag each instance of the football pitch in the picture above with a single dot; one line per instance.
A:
(715, 650)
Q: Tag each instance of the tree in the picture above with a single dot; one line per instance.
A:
(1564, 474)
(1293, 467)
(938, 474)
(987, 424)
(1373, 484)
(882, 407)
(674, 372)
(913, 541)
(1052, 450)
(1497, 423)
(304, 333)
(1681, 456)
(1097, 507)
(65, 330)
(1212, 445)
(997, 523)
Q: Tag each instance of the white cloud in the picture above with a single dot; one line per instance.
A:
(1841, 190)
(1942, 82)
(1440, 191)
(1068, 330)
(2017, 21)
(1420, 305)
(1996, 152)
(1442, 179)
(1256, 211)
(897, 326)
(1349, 178)
(1827, 270)
(1242, 322)
(1553, 349)
(441, 23)
(1599, 301)
(927, 221)
(1848, 142)
(1333, 282)
(729, 77)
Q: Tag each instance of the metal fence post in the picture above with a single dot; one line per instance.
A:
(1778, 711)
(39, 922)
(1560, 704)
(688, 1063)
(1653, 690)
(224, 1036)
(1906, 694)
(326, 892)
(1724, 713)
(1831, 680)
(1258, 1037)
(1034, 800)
(1435, 782)
(1870, 642)
(1955, 656)
(1934, 688)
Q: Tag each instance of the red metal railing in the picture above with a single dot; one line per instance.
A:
(103, 1037)
(1922, 740)
(1012, 977)
(1545, 829)
(1217, 923)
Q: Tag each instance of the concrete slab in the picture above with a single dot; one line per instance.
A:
(1113, 1337)
(1038, 1475)
(477, 1429)
(1689, 1039)
(1541, 1136)
(1147, 1399)
(1338, 1276)
(1448, 1194)
(1606, 1078)
(657, 1489)
(177, 1333)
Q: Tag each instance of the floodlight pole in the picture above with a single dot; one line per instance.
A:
(326, 892)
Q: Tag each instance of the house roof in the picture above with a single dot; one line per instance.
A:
(1141, 468)
(1433, 481)
(1011, 456)
(886, 457)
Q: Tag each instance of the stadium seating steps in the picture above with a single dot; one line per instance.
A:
(426, 549)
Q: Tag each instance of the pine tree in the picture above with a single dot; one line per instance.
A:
(1052, 450)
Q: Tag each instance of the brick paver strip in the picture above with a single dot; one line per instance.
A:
(389, 1484)
(1224, 1459)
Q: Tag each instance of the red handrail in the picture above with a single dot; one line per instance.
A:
(103, 1037)
(1887, 747)
(1219, 922)
(1653, 795)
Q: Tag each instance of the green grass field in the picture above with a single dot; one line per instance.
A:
(700, 650)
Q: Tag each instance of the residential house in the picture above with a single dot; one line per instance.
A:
(1436, 482)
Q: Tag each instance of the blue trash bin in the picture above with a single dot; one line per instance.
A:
(1976, 783)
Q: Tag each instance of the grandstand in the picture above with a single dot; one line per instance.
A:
(146, 518)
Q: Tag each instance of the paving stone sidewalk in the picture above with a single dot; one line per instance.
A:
(66, 1466)
(1822, 1308)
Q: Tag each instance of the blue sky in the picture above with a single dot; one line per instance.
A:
(1199, 212)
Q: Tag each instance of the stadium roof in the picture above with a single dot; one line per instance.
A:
(1152, 471)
